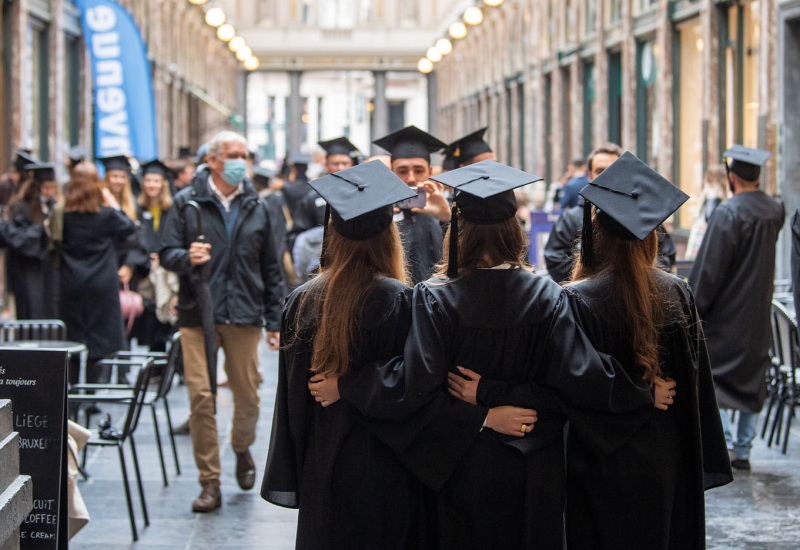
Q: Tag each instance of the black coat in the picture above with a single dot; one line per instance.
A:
(350, 489)
(517, 331)
(31, 278)
(245, 280)
(89, 282)
(150, 237)
(563, 242)
(732, 279)
(648, 493)
(795, 258)
(422, 242)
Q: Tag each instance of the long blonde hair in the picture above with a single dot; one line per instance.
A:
(126, 201)
(631, 266)
(164, 199)
(336, 297)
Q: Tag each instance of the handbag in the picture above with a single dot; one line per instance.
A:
(131, 304)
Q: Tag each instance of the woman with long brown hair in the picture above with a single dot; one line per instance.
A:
(92, 226)
(648, 491)
(486, 316)
(31, 278)
(350, 490)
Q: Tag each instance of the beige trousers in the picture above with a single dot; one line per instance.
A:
(240, 344)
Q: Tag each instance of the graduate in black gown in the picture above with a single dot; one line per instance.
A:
(514, 334)
(350, 489)
(420, 228)
(648, 492)
(31, 278)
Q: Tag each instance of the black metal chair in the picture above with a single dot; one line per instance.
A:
(135, 398)
(166, 367)
(36, 329)
(787, 394)
(776, 368)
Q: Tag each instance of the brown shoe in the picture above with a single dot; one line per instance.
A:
(210, 498)
(245, 470)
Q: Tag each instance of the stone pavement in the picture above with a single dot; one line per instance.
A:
(759, 511)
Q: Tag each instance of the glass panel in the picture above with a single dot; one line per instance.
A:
(690, 146)
(752, 30)
(588, 106)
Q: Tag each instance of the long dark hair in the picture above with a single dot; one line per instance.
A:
(503, 242)
(84, 190)
(631, 266)
(336, 296)
(28, 195)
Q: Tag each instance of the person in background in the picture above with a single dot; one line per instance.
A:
(732, 278)
(246, 292)
(152, 208)
(92, 225)
(75, 155)
(183, 170)
(579, 180)
(420, 228)
(560, 249)
(10, 181)
(295, 187)
(472, 148)
(31, 278)
(715, 190)
(647, 320)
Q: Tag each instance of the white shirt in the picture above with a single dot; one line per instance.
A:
(225, 201)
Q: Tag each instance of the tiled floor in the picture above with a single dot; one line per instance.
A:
(759, 511)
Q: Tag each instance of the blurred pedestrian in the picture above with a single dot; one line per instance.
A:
(152, 207)
(579, 179)
(646, 319)
(350, 489)
(732, 278)
(11, 180)
(31, 278)
(246, 291)
(92, 225)
(715, 190)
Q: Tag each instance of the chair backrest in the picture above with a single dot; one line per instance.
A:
(789, 342)
(138, 398)
(776, 348)
(35, 329)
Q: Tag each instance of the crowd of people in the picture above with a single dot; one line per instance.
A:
(433, 390)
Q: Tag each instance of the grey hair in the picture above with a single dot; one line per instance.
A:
(215, 145)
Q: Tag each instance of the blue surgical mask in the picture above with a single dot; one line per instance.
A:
(234, 171)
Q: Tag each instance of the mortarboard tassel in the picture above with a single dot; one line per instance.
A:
(587, 245)
(452, 264)
(324, 248)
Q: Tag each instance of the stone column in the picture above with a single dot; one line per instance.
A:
(294, 116)
(432, 103)
(380, 112)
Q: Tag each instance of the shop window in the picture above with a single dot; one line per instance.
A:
(615, 97)
(741, 35)
(72, 79)
(613, 12)
(646, 101)
(36, 104)
(588, 106)
(589, 17)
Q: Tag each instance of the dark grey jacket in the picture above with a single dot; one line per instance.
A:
(244, 275)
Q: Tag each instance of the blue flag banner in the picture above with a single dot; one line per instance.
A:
(123, 91)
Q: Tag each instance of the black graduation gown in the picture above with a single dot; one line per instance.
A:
(517, 331)
(31, 278)
(648, 493)
(563, 241)
(293, 193)
(422, 242)
(88, 276)
(794, 258)
(732, 279)
(147, 329)
(350, 489)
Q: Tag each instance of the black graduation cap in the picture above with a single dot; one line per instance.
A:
(410, 143)
(471, 146)
(339, 146)
(746, 162)
(42, 171)
(360, 200)
(23, 158)
(155, 166)
(263, 175)
(632, 200)
(484, 195)
(118, 162)
(300, 158)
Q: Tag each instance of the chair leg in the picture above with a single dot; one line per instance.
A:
(172, 436)
(158, 444)
(139, 481)
(777, 424)
(127, 491)
(773, 395)
(789, 417)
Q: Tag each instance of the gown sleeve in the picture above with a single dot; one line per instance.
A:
(717, 253)
(23, 236)
(558, 250)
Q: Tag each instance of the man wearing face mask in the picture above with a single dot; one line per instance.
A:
(245, 285)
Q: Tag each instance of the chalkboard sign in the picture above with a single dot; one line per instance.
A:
(36, 383)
